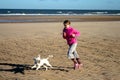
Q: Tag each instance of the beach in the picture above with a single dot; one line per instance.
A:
(98, 48)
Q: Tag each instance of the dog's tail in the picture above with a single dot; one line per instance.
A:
(50, 56)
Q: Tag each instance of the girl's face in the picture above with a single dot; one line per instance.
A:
(66, 25)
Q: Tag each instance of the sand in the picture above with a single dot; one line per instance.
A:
(98, 47)
(59, 18)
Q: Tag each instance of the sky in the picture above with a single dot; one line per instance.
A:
(60, 4)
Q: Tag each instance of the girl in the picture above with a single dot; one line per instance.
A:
(70, 35)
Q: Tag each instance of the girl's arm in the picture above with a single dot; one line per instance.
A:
(64, 35)
(76, 33)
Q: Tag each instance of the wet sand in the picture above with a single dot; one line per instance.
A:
(59, 18)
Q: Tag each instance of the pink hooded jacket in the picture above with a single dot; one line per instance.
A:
(67, 34)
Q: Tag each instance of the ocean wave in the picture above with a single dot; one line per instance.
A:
(65, 12)
(23, 14)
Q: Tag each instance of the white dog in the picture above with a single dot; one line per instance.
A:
(38, 62)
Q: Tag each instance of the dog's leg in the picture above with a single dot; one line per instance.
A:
(39, 65)
(48, 64)
(45, 67)
(33, 66)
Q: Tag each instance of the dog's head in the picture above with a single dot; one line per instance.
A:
(37, 59)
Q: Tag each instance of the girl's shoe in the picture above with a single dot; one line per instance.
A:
(80, 65)
(76, 65)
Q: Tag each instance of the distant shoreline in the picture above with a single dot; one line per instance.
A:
(56, 18)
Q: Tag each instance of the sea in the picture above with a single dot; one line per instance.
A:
(50, 12)
(4, 12)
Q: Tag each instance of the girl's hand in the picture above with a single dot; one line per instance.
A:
(73, 35)
(64, 34)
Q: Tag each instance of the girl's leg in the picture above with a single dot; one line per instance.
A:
(77, 57)
(71, 51)
(71, 55)
(78, 60)
(74, 61)
(79, 64)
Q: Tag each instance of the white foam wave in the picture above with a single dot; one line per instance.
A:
(60, 13)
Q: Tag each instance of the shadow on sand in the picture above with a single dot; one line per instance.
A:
(16, 68)
(20, 68)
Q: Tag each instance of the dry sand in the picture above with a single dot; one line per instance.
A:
(98, 47)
